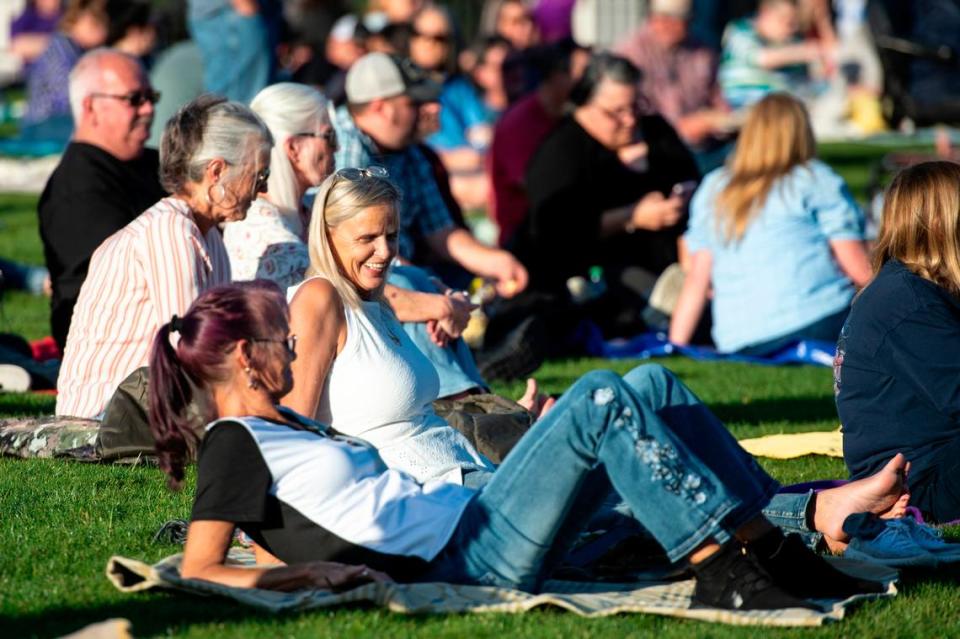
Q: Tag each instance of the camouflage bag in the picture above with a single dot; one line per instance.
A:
(492, 423)
(50, 436)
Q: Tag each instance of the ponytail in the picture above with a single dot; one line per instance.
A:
(170, 395)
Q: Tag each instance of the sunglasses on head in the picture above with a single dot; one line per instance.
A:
(134, 98)
(355, 175)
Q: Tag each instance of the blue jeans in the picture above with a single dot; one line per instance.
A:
(454, 363)
(682, 475)
(236, 51)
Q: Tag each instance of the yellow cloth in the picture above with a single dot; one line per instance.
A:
(793, 445)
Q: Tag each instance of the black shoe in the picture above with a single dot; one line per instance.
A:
(803, 572)
(517, 354)
(731, 579)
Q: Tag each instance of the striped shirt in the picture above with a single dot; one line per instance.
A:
(139, 277)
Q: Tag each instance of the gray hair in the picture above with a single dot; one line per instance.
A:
(289, 109)
(339, 200)
(204, 129)
(86, 77)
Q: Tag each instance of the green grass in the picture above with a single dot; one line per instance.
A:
(60, 521)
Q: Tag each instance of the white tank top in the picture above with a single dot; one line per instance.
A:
(380, 388)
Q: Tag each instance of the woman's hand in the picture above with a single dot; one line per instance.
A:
(534, 401)
(654, 212)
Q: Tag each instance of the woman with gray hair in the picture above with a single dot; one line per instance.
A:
(270, 242)
(214, 159)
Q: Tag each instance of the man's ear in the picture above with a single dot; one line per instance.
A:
(86, 108)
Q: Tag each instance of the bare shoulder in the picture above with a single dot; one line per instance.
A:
(316, 297)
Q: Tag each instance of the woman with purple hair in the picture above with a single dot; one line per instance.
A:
(314, 498)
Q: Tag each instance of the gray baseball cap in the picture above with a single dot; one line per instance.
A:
(379, 75)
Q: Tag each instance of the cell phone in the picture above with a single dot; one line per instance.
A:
(684, 190)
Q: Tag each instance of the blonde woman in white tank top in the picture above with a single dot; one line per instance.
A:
(357, 369)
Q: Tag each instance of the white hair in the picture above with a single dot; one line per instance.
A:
(86, 77)
(289, 109)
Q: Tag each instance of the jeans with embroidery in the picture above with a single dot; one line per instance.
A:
(646, 436)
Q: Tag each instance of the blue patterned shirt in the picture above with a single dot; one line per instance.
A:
(422, 210)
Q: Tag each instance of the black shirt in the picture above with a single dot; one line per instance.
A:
(897, 373)
(90, 196)
(572, 180)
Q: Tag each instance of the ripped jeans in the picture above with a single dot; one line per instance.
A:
(647, 437)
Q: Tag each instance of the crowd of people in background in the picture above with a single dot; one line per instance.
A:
(663, 182)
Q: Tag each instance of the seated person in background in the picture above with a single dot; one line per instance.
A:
(511, 20)
(213, 160)
(105, 178)
(897, 370)
(269, 243)
(131, 29)
(777, 235)
(466, 119)
(680, 77)
(766, 54)
(309, 495)
(521, 130)
(379, 126)
(30, 33)
(84, 26)
(327, 69)
(587, 206)
(350, 340)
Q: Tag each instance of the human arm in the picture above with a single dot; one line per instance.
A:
(459, 245)
(29, 46)
(206, 550)
(693, 298)
(652, 212)
(246, 7)
(451, 312)
(851, 256)
(788, 54)
(317, 319)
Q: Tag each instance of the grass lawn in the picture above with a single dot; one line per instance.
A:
(61, 521)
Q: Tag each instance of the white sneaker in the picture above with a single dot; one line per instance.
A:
(13, 379)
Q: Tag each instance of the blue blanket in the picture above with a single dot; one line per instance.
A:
(648, 345)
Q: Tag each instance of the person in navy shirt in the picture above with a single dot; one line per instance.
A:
(897, 369)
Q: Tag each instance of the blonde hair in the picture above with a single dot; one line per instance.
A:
(338, 200)
(920, 226)
(289, 109)
(776, 137)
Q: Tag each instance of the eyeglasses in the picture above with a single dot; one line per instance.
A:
(290, 341)
(329, 136)
(438, 38)
(355, 175)
(619, 114)
(135, 98)
(260, 183)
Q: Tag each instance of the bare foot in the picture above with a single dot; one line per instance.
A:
(883, 493)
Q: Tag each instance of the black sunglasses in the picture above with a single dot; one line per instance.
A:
(439, 38)
(134, 99)
(290, 341)
(329, 136)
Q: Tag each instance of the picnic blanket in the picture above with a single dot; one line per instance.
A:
(650, 345)
(793, 445)
(673, 599)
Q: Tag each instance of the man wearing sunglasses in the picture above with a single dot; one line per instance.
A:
(105, 177)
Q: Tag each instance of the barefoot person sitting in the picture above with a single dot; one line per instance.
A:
(310, 495)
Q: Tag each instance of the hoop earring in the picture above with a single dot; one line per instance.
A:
(223, 195)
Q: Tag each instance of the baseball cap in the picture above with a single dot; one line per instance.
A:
(380, 75)
(675, 8)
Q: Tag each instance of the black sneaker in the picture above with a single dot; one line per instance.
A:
(731, 579)
(803, 572)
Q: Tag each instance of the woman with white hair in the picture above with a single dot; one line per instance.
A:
(269, 243)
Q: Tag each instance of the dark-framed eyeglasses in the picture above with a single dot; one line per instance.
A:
(135, 98)
(437, 38)
(329, 136)
(290, 341)
(355, 174)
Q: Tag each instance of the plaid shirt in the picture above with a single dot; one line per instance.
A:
(422, 210)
